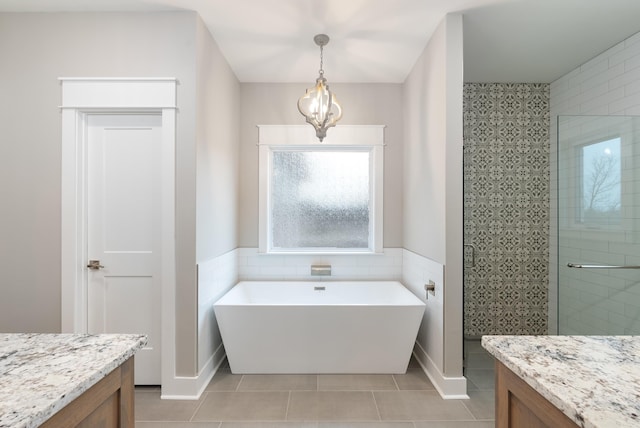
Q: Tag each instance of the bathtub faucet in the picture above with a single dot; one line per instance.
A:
(320, 270)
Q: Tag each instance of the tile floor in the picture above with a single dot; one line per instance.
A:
(327, 401)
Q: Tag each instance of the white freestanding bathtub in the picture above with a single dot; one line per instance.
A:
(319, 327)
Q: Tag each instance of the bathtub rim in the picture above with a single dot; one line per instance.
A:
(412, 299)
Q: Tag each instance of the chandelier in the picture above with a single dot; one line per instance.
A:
(319, 105)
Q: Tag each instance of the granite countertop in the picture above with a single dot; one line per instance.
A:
(594, 380)
(42, 373)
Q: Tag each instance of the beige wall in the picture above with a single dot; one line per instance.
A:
(217, 128)
(433, 177)
(36, 49)
(363, 104)
(218, 100)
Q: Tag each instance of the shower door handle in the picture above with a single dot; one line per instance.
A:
(473, 256)
(580, 266)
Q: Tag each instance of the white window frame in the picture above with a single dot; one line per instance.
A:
(301, 137)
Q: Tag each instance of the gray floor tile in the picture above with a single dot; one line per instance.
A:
(418, 405)
(482, 378)
(224, 380)
(473, 345)
(342, 401)
(269, 425)
(480, 360)
(332, 406)
(481, 404)
(455, 424)
(149, 407)
(365, 425)
(243, 406)
(156, 424)
(414, 379)
(287, 382)
(356, 382)
(470, 385)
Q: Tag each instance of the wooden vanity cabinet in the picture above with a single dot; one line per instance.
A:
(109, 403)
(518, 405)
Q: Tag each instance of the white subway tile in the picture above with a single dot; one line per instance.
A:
(350, 271)
(245, 272)
(598, 84)
(632, 111)
(594, 109)
(630, 41)
(573, 78)
(559, 85)
(632, 62)
(599, 257)
(301, 260)
(623, 102)
(632, 310)
(386, 272)
(593, 67)
(266, 260)
(597, 63)
(624, 79)
(623, 54)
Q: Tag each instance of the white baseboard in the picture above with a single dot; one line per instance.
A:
(191, 388)
(449, 388)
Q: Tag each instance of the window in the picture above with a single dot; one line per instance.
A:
(321, 197)
(600, 189)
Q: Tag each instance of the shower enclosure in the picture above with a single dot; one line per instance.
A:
(598, 225)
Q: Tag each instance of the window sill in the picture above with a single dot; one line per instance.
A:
(320, 253)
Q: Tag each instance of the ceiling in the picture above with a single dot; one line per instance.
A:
(380, 40)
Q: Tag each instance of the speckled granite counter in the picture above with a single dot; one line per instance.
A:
(594, 380)
(42, 373)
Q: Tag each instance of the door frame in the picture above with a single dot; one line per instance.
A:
(80, 98)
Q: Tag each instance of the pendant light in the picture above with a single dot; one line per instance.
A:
(319, 105)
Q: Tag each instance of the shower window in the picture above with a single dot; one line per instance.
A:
(320, 197)
(600, 183)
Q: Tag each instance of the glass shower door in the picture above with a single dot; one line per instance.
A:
(599, 225)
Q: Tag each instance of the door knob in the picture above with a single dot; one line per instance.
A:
(94, 265)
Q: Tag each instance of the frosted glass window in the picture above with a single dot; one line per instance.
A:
(320, 199)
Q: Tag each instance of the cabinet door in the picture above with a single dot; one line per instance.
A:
(518, 405)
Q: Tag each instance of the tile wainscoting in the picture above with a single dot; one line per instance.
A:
(289, 267)
(215, 277)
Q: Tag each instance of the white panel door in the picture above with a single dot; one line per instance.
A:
(123, 155)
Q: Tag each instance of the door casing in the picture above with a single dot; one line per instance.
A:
(81, 97)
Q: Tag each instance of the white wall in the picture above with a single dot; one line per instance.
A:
(363, 104)
(217, 129)
(433, 183)
(36, 49)
(609, 84)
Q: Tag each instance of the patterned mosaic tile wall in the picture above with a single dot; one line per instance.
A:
(506, 208)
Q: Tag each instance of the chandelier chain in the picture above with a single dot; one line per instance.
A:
(321, 60)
